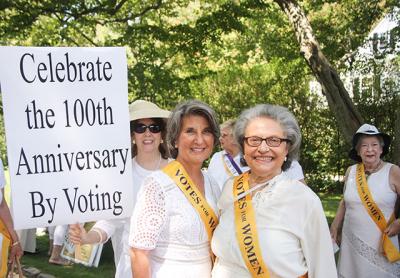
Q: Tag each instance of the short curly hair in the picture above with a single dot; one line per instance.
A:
(281, 115)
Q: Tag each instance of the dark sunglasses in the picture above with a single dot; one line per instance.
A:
(141, 128)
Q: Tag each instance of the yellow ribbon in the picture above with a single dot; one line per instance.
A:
(179, 175)
(389, 250)
(246, 230)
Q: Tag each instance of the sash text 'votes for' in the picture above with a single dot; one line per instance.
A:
(68, 161)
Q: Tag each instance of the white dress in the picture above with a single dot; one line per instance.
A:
(118, 229)
(166, 223)
(359, 251)
(293, 233)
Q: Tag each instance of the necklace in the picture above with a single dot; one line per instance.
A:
(369, 172)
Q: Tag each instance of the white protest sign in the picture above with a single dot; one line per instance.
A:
(67, 129)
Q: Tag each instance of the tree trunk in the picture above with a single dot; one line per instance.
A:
(347, 115)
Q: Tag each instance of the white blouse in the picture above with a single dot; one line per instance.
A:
(118, 229)
(166, 223)
(292, 230)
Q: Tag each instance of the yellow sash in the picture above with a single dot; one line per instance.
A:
(246, 230)
(178, 174)
(227, 170)
(389, 250)
(5, 248)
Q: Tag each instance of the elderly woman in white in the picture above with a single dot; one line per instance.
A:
(270, 225)
(369, 243)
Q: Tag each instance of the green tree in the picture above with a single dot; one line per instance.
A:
(231, 54)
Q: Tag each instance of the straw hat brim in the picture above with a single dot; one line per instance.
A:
(141, 109)
(142, 114)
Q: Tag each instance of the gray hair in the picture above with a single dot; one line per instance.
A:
(282, 116)
(187, 108)
(230, 124)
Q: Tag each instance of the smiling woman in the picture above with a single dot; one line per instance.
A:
(367, 210)
(176, 213)
(147, 123)
(251, 239)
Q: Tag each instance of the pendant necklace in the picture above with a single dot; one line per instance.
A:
(370, 172)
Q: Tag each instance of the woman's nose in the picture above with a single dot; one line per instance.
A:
(263, 147)
(199, 138)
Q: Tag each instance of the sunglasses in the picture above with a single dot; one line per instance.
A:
(141, 128)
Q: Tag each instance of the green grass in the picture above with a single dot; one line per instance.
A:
(330, 203)
(40, 259)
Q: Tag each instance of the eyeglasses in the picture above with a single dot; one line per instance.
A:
(255, 141)
(141, 128)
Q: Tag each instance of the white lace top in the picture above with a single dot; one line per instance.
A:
(165, 222)
(118, 229)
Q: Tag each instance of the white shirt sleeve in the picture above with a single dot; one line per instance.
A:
(317, 245)
(295, 171)
(149, 216)
(109, 226)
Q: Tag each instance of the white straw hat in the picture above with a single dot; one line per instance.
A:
(367, 129)
(141, 109)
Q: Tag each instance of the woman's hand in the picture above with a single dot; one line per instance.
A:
(337, 223)
(393, 229)
(16, 252)
(77, 234)
(335, 235)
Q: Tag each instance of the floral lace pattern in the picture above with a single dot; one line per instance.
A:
(372, 255)
(163, 217)
(149, 216)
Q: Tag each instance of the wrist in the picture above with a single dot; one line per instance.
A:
(14, 237)
(100, 235)
(15, 243)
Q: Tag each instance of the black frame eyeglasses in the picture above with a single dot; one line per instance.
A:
(141, 128)
(255, 141)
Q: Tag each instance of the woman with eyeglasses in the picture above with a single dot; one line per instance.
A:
(147, 125)
(270, 225)
(175, 215)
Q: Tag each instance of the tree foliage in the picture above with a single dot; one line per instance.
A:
(231, 54)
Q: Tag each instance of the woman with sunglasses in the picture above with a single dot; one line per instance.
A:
(147, 124)
(270, 225)
(175, 215)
